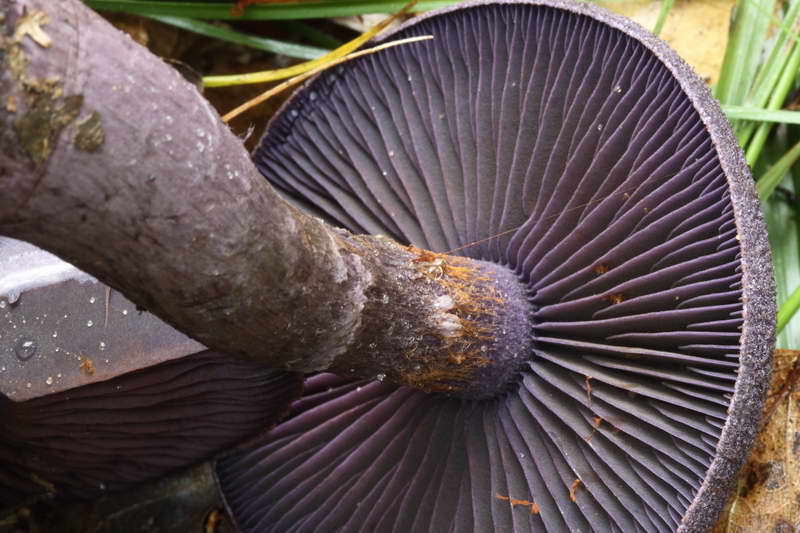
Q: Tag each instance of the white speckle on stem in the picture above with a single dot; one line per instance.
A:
(449, 325)
(443, 302)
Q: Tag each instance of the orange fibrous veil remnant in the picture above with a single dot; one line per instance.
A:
(474, 301)
(601, 268)
(444, 376)
(514, 502)
(573, 490)
(86, 365)
(615, 298)
(596, 423)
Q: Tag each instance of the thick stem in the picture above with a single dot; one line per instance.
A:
(473, 338)
(118, 165)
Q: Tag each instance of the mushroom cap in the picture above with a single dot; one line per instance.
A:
(577, 149)
(112, 435)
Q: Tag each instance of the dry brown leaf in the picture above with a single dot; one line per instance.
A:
(696, 29)
(767, 498)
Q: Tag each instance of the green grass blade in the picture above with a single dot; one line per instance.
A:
(225, 34)
(743, 53)
(735, 112)
(288, 11)
(784, 238)
(312, 34)
(782, 214)
(784, 85)
(296, 70)
(770, 72)
(788, 310)
(666, 6)
(772, 177)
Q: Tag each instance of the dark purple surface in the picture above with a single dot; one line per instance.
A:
(112, 435)
(596, 165)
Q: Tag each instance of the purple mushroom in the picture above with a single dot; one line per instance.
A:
(574, 149)
(115, 434)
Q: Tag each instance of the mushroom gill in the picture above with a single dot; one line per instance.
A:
(575, 149)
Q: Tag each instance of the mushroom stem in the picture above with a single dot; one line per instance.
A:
(115, 163)
(438, 323)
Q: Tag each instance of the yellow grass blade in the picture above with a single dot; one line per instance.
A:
(295, 70)
(305, 75)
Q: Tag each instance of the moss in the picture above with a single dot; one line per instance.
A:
(46, 110)
(15, 59)
(90, 135)
(44, 120)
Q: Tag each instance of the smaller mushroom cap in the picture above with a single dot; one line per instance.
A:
(98, 396)
(114, 434)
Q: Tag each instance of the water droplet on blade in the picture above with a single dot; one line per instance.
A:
(25, 348)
